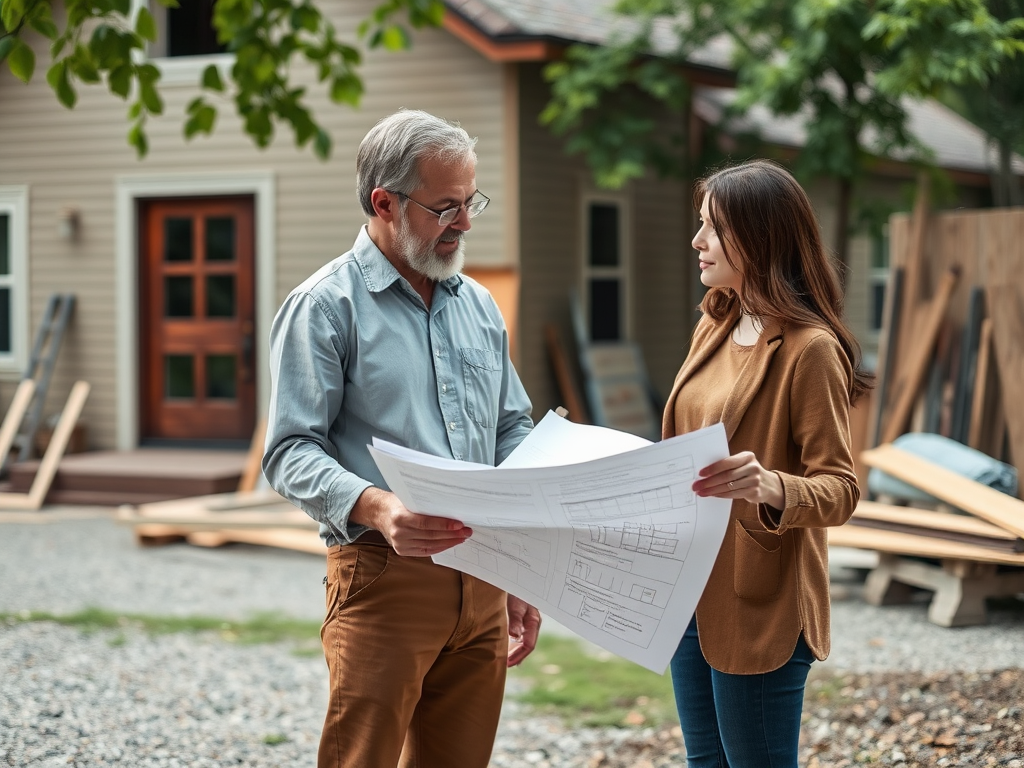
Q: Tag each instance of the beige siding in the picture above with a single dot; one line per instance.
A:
(551, 188)
(73, 158)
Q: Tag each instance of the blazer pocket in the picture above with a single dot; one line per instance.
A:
(757, 572)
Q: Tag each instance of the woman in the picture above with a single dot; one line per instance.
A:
(772, 359)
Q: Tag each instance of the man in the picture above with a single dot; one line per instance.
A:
(390, 341)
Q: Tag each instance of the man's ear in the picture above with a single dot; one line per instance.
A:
(384, 204)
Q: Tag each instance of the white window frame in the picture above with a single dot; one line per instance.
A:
(876, 276)
(182, 70)
(14, 203)
(623, 272)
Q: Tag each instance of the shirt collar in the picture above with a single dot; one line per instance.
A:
(379, 273)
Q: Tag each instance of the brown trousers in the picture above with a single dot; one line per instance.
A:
(416, 654)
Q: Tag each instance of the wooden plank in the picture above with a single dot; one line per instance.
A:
(859, 537)
(926, 518)
(567, 386)
(918, 358)
(981, 383)
(1006, 308)
(987, 503)
(54, 451)
(301, 541)
(254, 461)
(965, 372)
(200, 521)
(14, 416)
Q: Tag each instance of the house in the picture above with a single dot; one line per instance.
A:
(179, 262)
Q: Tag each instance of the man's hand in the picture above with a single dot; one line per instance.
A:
(409, 533)
(523, 629)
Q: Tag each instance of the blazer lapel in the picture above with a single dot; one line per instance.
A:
(695, 360)
(751, 377)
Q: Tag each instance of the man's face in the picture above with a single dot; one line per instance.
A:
(431, 250)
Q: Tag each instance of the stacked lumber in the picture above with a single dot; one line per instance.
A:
(246, 516)
(949, 355)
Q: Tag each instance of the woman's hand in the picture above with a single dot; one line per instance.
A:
(741, 476)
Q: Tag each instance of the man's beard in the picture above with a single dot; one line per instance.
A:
(420, 255)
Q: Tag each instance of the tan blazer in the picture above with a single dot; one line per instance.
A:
(791, 407)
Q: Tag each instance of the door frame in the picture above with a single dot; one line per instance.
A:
(128, 191)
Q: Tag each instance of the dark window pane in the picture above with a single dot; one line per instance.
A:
(190, 29)
(5, 319)
(177, 239)
(220, 377)
(179, 378)
(178, 296)
(604, 310)
(877, 305)
(220, 239)
(604, 235)
(220, 296)
(5, 244)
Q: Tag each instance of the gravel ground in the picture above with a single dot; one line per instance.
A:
(897, 690)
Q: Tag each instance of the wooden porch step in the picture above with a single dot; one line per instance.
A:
(136, 477)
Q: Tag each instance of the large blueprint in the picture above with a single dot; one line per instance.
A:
(598, 529)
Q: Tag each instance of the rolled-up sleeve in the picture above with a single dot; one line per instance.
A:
(307, 366)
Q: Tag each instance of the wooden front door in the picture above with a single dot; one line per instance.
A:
(196, 302)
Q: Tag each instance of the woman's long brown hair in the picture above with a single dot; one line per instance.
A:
(770, 235)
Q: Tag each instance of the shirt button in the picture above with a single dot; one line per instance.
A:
(451, 426)
(444, 389)
(437, 353)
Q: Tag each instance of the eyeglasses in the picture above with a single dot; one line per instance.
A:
(473, 208)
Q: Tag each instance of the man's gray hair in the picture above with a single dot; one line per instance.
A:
(390, 153)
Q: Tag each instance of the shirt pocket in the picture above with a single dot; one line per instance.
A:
(481, 371)
(757, 572)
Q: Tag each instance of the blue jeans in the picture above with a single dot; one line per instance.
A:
(738, 721)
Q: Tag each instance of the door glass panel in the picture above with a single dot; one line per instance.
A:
(604, 310)
(179, 376)
(177, 239)
(604, 235)
(178, 296)
(220, 238)
(220, 377)
(5, 319)
(5, 244)
(220, 296)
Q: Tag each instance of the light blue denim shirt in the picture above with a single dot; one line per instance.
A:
(355, 354)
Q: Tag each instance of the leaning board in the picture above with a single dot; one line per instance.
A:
(987, 503)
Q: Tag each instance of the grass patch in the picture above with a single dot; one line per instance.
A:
(260, 628)
(593, 689)
(273, 739)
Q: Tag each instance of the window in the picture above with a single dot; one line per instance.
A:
(184, 31)
(13, 267)
(605, 269)
(878, 278)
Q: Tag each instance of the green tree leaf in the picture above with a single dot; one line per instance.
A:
(22, 61)
(145, 26)
(11, 13)
(211, 78)
(7, 44)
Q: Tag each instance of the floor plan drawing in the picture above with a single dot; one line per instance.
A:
(615, 546)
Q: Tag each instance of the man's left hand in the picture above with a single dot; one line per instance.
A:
(523, 629)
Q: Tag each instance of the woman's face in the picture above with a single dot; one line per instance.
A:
(715, 269)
